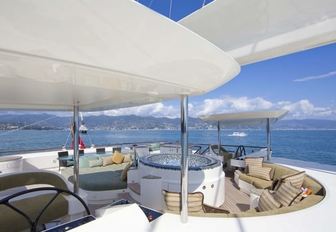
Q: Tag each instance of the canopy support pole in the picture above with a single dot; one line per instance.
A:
(219, 137)
(75, 147)
(184, 159)
(268, 130)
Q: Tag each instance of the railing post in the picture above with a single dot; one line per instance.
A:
(268, 130)
(219, 137)
(75, 147)
(184, 159)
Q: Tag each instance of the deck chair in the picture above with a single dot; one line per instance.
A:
(100, 150)
(64, 163)
(195, 203)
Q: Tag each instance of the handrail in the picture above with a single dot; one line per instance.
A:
(12, 152)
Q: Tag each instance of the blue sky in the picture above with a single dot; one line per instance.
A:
(304, 82)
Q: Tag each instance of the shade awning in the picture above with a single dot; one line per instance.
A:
(257, 30)
(100, 55)
(246, 118)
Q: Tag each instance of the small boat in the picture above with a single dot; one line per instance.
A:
(238, 134)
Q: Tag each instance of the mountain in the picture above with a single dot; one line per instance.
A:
(103, 122)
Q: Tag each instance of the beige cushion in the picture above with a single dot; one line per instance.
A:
(254, 161)
(95, 163)
(260, 172)
(123, 176)
(257, 182)
(295, 179)
(287, 194)
(267, 202)
(127, 158)
(107, 160)
(195, 201)
(117, 157)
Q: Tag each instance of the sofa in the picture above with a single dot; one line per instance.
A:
(248, 183)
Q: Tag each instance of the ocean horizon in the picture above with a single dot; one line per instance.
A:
(307, 145)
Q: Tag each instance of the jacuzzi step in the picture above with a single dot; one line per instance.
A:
(134, 187)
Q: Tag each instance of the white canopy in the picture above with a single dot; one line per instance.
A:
(246, 118)
(256, 30)
(100, 54)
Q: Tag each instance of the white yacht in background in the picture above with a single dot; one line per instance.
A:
(97, 55)
(237, 134)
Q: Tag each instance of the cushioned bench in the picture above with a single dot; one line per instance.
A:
(318, 193)
(247, 183)
(101, 178)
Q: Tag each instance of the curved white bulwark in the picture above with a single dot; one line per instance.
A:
(103, 54)
(256, 30)
(246, 118)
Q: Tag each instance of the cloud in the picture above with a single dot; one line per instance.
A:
(155, 110)
(317, 77)
(305, 109)
(231, 104)
(227, 104)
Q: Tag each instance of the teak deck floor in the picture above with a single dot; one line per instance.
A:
(235, 200)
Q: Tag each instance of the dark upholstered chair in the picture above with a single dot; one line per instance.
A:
(116, 149)
(100, 150)
(63, 161)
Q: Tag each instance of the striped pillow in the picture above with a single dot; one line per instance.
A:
(295, 179)
(267, 202)
(260, 172)
(195, 201)
(254, 161)
(287, 194)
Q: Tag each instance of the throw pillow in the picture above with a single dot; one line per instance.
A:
(117, 157)
(107, 160)
(295, 179)
(127, 158)
(253, 161)
(95, 163)
(287, 194)
(267, 202)
(260, 172)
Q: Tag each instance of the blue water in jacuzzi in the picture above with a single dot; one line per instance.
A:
(173, 161)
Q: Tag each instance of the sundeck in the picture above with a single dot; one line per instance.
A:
(87, 56)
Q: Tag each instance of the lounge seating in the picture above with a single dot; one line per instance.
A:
(195, 203)
(62, 161)
(101, 173)
(32, 205)
(248, 183)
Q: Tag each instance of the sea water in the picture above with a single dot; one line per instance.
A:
(308, 145)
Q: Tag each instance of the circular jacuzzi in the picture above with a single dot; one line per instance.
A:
(173, 161)
(205, 175)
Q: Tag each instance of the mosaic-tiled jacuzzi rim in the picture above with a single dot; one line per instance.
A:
(172, 161)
